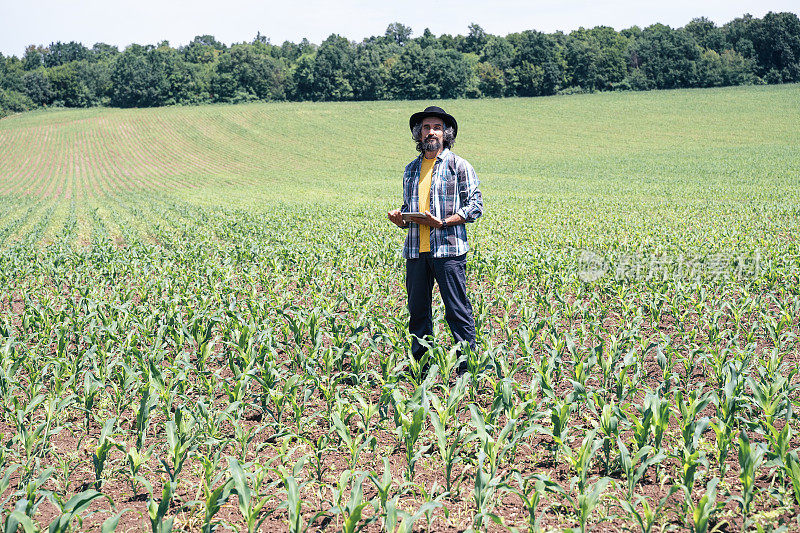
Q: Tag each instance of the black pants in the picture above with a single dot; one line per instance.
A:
(450, 274)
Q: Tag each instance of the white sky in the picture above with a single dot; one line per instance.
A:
(122, 22)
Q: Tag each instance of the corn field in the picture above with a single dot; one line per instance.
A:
(189, 345)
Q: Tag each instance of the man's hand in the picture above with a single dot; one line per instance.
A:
(431, 220)
(395, 217)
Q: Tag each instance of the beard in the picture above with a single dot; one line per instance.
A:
(431, 145)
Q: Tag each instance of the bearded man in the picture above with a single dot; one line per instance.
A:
(443, 188)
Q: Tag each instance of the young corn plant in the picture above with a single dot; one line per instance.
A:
(483, 494)
(351, 510)
(689, 462)
(770, 392)
(531, 490)
(636, 467)
(588, 500)
(560, 412)
(294, 505)
(793, 473)
(692, 427)
(409, 416)
(581, 460)
(450, 437)
(727, 406)
(71, 510)
(213, 500)
(280, 400)
(547, 370)
(642, 425)
(244, 435)
(157, 511)
(666, 362)
(33, 495)
(705, 509)
(750, 459)
(104, 445)
(142, 424)
(5, 481)
(643, 513)
(395, 520)
(316, 459)
(252, 498)
(180, 443)
(134, 459)
(508, 399)
(609, 427)
(385, 487)
(660, 407)
(501, 446)
(355, 444)
(432, 499)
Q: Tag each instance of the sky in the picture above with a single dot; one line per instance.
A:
(122, 22)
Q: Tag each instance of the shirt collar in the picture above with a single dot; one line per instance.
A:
(441, 157)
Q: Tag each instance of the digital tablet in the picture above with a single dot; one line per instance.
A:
(414, 217)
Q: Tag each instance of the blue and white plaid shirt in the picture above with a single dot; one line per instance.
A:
(454, 190)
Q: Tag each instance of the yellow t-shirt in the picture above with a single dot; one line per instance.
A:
(425, 175)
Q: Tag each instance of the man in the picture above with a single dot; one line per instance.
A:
(444, 187)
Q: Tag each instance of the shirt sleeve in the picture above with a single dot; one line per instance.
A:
(404, 207)
(469, 193)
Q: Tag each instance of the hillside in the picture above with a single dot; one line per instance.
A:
(669, 149)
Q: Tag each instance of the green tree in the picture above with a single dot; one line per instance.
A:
(447, 41)
(539, 66)
(596, 58)
(772, 42)
(452, 73)
(728, 68)
(667, 57)
(428, 39)
(246, 73)
(706, 34)
(11, 72)
(333, 65)
(202, 49)
(398, 33)
(301, 78)
(70, 84)
(37, 86)
(409, 77)
(104, 52)
(140, 78)
(498, 52)
(59, 53)
(777, 45)
(12, 101)
(290, 51)
(491, 80)
(370, 72)
(33, 57)
(475, 40)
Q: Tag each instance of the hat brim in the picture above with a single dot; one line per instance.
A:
(449, 120)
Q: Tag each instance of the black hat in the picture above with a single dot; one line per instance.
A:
(434, 111)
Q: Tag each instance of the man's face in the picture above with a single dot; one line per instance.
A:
(432, 134)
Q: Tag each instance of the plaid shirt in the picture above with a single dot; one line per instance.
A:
(454, 190)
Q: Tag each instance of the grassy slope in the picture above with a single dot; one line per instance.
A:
(589, 167)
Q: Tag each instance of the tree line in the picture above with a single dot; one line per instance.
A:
(395, 65)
